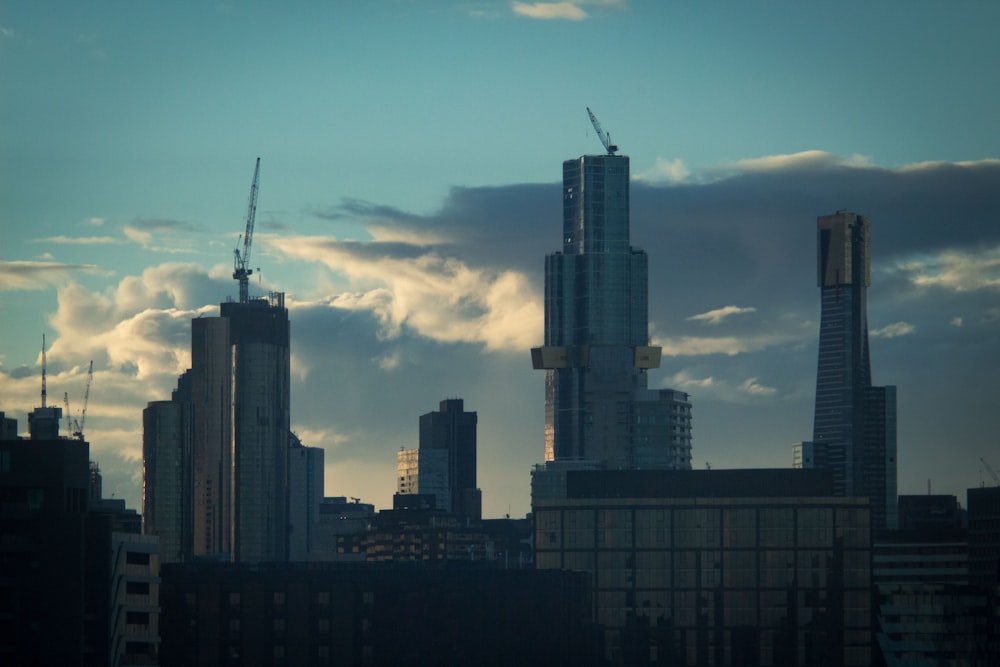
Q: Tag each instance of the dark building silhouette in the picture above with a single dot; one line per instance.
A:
(596, 354)
(68, 559)
(984, 536)
(854, 425)
(390, 615)
(453, 430)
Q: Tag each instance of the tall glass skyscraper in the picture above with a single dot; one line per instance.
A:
(596, 354)
(854, 425)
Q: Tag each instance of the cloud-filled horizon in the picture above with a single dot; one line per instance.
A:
(411, 308)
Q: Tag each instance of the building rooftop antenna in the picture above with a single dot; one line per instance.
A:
(605, 137)
(241, 261)
(44, 393)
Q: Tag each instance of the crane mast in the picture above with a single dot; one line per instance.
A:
(605, 137)
(241, 272)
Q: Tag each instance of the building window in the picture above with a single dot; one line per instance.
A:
(137, 588)
(137, 618)
(137, 558)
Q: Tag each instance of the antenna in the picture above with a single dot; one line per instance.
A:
(44, 393)
(605, 137)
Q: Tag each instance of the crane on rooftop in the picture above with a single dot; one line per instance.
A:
(605, 137)
(78, 433)
(242, 260)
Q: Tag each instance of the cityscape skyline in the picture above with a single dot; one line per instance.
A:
(114, 267)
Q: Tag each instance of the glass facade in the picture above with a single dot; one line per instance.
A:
(854, 424)
(596, 352)
(724, 581)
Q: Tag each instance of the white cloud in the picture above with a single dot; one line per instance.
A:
(956, 270)
(893, 330)
(956, 322)
(7, 32)
(691, 346)
(716, 316)
(664, 171)
(32, 275)
(550, 10)
(81, 240)
(701, 388)
(812, 159)
(438, 297)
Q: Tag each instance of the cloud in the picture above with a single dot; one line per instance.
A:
(439, 297)
(893, 330)
(955, 270)
(6, 32)
(956, 322)
(664, 171)
(81, 240)
(162, 235)
(716, 316)
(30, 275)
(805, 160)
(550, 10)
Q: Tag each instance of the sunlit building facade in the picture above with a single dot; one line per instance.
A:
(596, 352)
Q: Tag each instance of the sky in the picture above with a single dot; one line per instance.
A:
(410, 163)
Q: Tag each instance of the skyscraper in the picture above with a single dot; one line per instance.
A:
(854, 425)
(232, 434)
(453, 430)
(596, 355)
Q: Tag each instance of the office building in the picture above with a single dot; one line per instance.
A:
(854, 427)
(596, 352)
(444, 464)
(424, 472)
(717, 567)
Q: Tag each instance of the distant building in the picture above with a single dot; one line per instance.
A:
(453, 430)
(854, 425)
(596, 353)
(723, 567)
(340, 532)
(305, 489)
(803, 455)
(425, 472)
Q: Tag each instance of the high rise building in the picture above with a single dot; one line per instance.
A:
(261, 365)
(854, 427)
(167, 500)
(596, 353)
(444, 465)
(220, 456)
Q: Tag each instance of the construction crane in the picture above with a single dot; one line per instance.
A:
(991, 471)
(78, 433)
(69, 420)
(241, 261)
(605, 137)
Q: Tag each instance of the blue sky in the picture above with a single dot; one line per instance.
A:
(410, 152)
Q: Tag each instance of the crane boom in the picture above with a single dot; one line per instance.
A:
(241, 272)
(605, 137)
(86, 398)
(993, 473)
